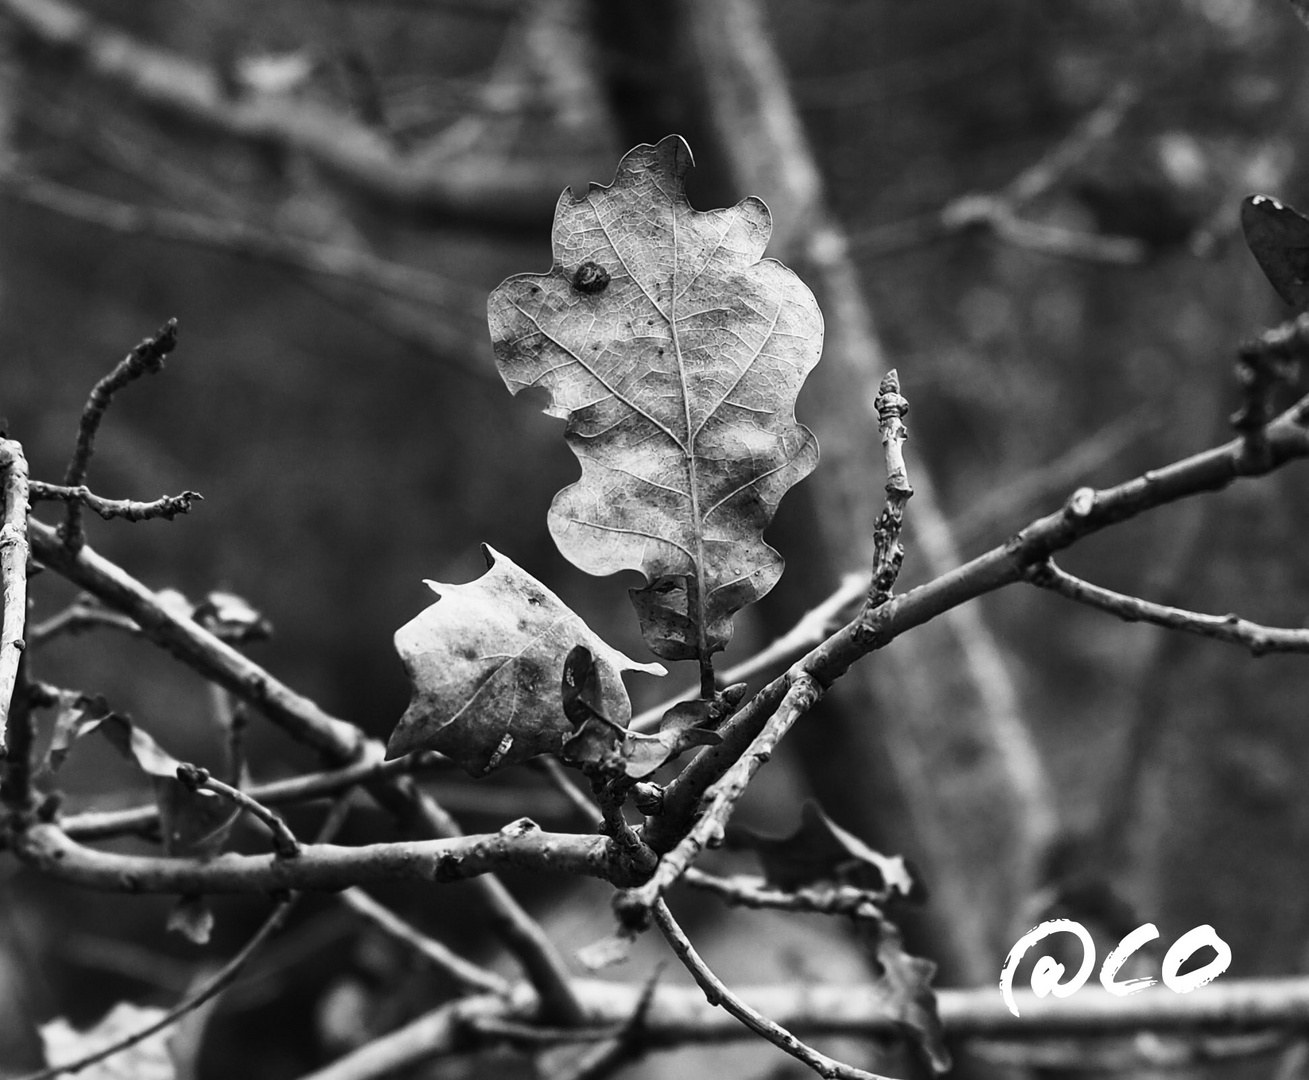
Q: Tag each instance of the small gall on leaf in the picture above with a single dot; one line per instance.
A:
(591, 278)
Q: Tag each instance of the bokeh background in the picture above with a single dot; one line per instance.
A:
(345, 423)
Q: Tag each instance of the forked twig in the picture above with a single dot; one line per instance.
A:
(166, 506)
(754, 892)
(718, 994)
(284, 841)
(148, 356)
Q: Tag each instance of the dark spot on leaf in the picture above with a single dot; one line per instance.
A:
(591, 278)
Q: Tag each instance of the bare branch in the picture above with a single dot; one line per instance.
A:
(464, 972)
(284, 841)
(888, 551)
(520, 844)
(1087, 511)
(340, 742)
(77, 618)
(166, 506)
(681, 1015)
(148, 356)
(245, 241)
(716, 993)
(1147, 1051)
(102, 824)
(996, 213)
(451, 185)
(999, 505)
(1260, 640)
(1094, 129)
(14, 549)
(583, 807)
(212, 986)
(754, 892)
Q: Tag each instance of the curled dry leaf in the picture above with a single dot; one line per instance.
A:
(907, 982)
(486, 662)
(600, 745)
(675, 353)
(1278, 238)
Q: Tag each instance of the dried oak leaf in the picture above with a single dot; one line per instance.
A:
(819, 850)
(675, 353)
(486, 662)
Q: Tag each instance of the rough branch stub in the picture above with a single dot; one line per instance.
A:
(485, 662)
(675, 353)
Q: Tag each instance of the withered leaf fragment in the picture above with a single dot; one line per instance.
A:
(600, 745)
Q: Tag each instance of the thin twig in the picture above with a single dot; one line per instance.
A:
(888, 551)
(14, 549)
(999, 505)
(357, 267)
(1260, 640)
(603, 1060)
(1148, 1051)
(637, 859)
(284, 841)
(583, 807)
(801, 695)
(219, 981)
(754, 892)
(1085, 512)
(166, 506)
(148, 356)
(455, 185)
(1094, 129)
(996, 213)
(716, 993)
(464, 972)
(102, 824)
(76, 618)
